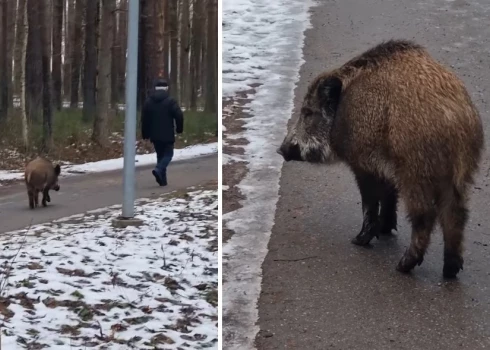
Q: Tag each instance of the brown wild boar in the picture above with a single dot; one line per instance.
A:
(41, 176)
(406, 126)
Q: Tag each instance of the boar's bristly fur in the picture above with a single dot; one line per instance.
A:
(406, 127)
(41, 176)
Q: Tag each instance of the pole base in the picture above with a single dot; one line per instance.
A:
(121, 222)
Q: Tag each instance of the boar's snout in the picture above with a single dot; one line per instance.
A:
(56, 188)
(290, 151)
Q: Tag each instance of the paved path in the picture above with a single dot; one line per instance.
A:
(320, 291)
(87, 192)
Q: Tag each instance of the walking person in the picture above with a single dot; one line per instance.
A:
(161, 117)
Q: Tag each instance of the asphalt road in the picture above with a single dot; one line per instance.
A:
(322, 292)
(79, 194)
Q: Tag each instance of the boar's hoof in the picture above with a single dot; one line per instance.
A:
(452, 264)
(367, 233)
(409, 261)
(365, 236)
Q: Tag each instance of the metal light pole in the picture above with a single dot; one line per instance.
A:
(131, 106)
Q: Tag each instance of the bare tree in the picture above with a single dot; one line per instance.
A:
(184, 52)
(22, 30)
(100, 132)
(174, 41)
(12, 9)
(116, 53)
(46, 75)
(20, 35)
(57, 30)
(34, 68)
(122, 39)
(69, 28)
(90, 64)
(212, 58)
(3, 59)
(76, 59)
(196, 48)
(166, 37)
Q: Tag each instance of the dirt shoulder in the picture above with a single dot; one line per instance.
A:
(234, 168)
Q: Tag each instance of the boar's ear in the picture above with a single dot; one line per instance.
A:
(329, 91)
(57, 169)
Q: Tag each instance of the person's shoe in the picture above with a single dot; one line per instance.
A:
(157, 177)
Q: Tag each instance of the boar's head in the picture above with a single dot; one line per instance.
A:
(57, 171)
(309, 139)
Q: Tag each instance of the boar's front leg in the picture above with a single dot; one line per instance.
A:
(369, 186)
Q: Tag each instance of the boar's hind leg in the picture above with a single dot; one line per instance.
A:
(30, 194)
(387, 216)
(36, 198)
(422, 215)
(46, 197)
(369, 186)
(453, 216)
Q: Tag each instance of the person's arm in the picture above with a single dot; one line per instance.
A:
(145, 122)
(178, 117)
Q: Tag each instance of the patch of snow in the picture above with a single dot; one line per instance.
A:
(262, 44)
(189, 152)
(80, 283)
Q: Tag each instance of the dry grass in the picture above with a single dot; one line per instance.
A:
(72, 138)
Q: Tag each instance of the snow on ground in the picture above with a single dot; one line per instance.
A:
(262, 43)
(78, 283)
(114, 164)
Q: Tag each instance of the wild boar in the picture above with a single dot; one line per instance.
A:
(41, 176)
(406, 127)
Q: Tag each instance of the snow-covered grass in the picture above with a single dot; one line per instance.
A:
(114, 164)
(79, 283)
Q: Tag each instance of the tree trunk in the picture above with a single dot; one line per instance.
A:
(204, 48)
(166, 38)
(159, 38)
(184, 53)
(46, 74)
(90, 65)
(123, 39)
(174, 41)
(116, 53)
(196, 43)
(23, 28)
(76, 59)
(57, 28)
(212, 58)
(34, 68)
(141, 53)
(100, 133)
(4, 86)
(10, 50)
(20, 35)
(69, 36)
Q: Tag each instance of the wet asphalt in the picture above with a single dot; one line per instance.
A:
(82, 193)
(322, 292)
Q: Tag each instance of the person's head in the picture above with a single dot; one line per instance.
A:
(161, 85)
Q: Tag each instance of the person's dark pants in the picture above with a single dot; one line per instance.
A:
(165, 153)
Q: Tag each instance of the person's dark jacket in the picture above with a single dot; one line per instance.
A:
(161, 115)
